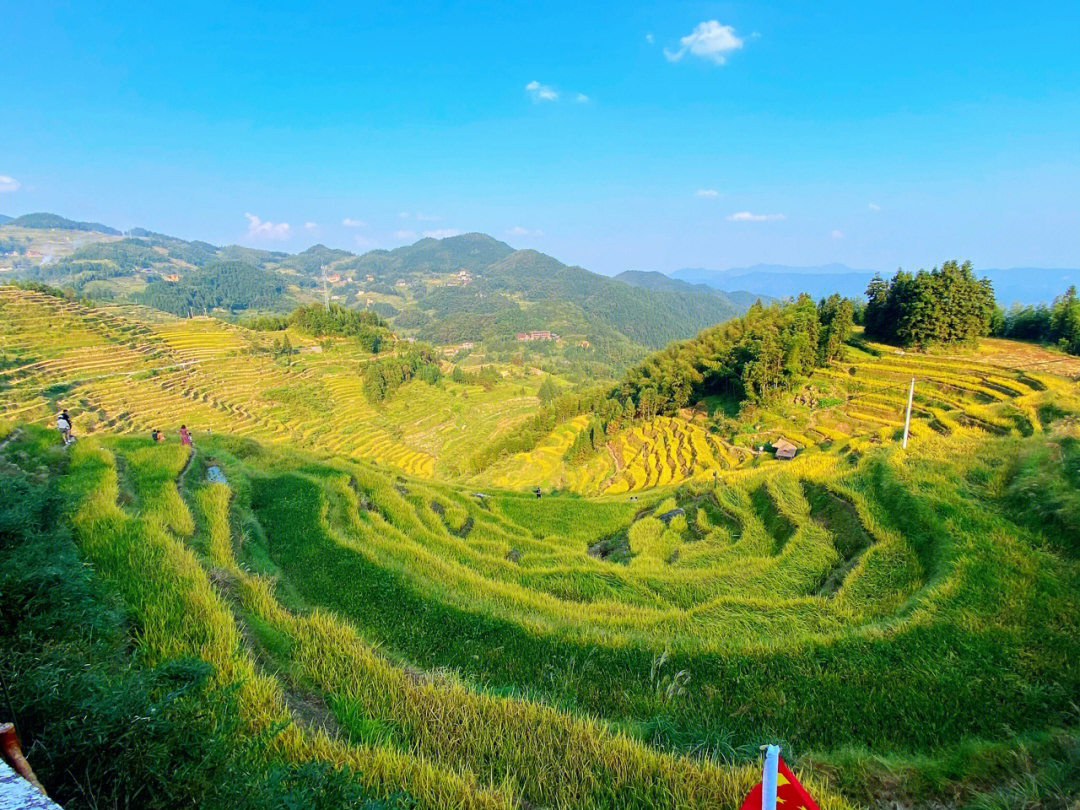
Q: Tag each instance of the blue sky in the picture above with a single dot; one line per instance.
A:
(615, 136)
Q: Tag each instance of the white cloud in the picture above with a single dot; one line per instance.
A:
(404, 215)
(650, 38)
(405, 235)
(8, 183)
(517, 230)
(442, 233)
(837, 234)
(581, 98)
(710, 40)
(541, 92)
(349, 222)
(706, 192)
(257, 229)
(746, 216)
(311, 226)
(875, 207)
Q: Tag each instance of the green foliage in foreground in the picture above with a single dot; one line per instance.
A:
(100, 726)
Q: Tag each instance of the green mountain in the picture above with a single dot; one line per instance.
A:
(45, 221)
(462, 288)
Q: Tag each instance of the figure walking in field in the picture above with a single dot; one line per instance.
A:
(63, 424)
(185, 437)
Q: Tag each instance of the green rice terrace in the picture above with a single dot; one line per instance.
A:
(326, 598)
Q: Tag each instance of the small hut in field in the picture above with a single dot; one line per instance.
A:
(785, 449)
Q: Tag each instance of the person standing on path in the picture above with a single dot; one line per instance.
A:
(63, 424)
(185, 437)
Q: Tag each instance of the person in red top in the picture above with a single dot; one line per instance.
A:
(185, 437)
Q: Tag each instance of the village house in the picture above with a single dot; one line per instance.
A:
(785, 449)
(333, 279)
(541, 334)
(173, 277)
(369, 277)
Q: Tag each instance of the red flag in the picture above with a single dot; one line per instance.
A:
(790, 794)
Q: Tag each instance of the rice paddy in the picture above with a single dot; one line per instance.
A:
(467, 644)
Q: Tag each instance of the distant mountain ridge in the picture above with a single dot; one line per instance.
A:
(45, 221)
(1026, 285)
(462, 288)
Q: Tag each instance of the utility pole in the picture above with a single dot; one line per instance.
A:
(907, 419)
(325, 291)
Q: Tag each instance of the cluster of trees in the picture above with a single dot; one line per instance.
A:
(548, 392)
(231, 285)
(943, 306)
(752, 358)
(383, 377)
(362, 324)
(487, 376)
(1058, 323)
(316, 320)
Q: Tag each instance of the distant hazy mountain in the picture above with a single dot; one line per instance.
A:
(1027, 285)
(781, 281)
(653, 280)
(4, 218)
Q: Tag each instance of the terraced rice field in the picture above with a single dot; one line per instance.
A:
(121, 372)
(481, 648)
(906, 623)
(861, 400)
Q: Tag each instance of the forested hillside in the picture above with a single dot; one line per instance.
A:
(44, 221)
(229, 285)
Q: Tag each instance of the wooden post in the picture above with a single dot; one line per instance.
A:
(907, 419)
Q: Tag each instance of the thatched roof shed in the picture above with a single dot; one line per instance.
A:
(785, 449)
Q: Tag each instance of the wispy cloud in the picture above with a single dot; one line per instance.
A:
(706, 192)
(8, 183)
(650, 38)
(541, 92)
(349, 222)
(710, 41)
(442, 233)
(581, 98)
(746, 216)
(311, 226)
(404, 215)
(837, 234)
(257, 229)
(517, 230)
(405, 235)
(875, 207)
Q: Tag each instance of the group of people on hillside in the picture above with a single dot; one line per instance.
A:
(64, 425)
(185, 436)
